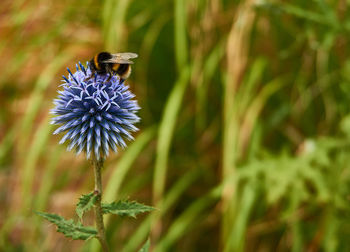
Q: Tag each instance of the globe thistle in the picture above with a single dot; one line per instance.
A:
(94, 113)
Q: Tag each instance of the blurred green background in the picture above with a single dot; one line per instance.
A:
(244, 143)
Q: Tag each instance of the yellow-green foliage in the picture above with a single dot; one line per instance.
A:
(244, 143)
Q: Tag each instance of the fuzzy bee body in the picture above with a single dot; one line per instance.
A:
(118, 63)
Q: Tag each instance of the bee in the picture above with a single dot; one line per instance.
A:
(117, 63)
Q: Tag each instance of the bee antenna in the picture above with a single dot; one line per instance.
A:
(72, 76)
(95, 77)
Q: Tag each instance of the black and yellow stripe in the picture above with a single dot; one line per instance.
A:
(115, 67)
(97, 65)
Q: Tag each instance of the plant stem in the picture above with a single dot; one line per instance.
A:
(98, 164)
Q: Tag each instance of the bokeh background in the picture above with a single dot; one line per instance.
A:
(244, 143)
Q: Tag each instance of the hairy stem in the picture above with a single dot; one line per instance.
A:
(98, 164)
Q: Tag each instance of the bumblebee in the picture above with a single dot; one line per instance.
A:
(118, 63)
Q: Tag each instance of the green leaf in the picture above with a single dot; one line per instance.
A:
(125, 208)
(145, 247)
(86, 202)
(69, 228)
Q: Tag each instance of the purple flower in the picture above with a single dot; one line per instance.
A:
(94, 113)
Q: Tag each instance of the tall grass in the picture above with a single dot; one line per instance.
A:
(244, 140)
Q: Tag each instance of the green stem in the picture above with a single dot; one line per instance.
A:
(98, 164)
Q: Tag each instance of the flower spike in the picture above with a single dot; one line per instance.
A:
(95, 114)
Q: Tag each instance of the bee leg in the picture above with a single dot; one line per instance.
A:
(110, 72)
(90, 77)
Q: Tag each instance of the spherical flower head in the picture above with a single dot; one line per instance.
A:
(95, 113)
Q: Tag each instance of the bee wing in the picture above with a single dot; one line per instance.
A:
(126, 55)
(121, 58)
(118, 60)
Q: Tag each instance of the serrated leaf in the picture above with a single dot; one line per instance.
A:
(145, 247)
(69, 228)
(125, 208)
(86, 202)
